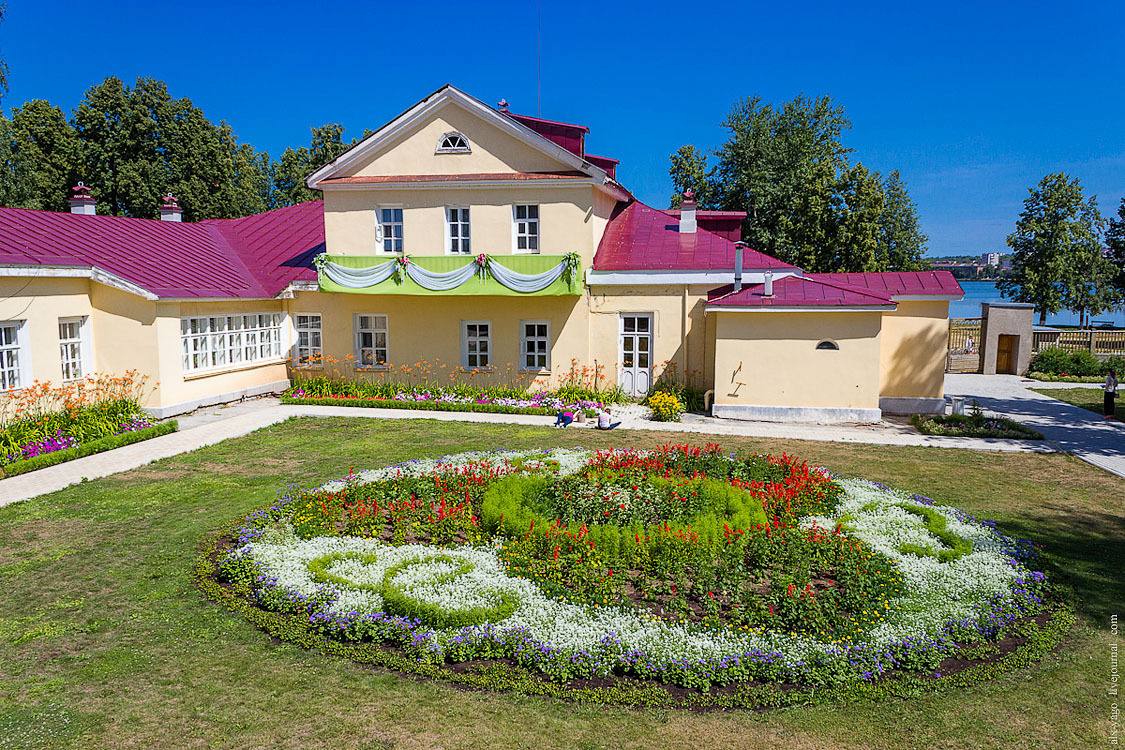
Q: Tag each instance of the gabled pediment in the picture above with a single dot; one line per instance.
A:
(452, 133)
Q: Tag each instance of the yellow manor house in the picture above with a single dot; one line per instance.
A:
(471, 235)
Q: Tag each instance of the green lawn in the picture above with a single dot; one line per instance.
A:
(105, 642)
(1087, 398)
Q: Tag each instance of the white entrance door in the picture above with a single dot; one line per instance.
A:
(636, 353)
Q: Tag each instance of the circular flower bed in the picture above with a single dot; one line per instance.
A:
(680, 575)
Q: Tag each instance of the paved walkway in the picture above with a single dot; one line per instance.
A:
(1073, 429)
(216, 424)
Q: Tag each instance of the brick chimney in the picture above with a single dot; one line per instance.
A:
(687, 213)
(170, 210)
(502, 105)
(81, 202)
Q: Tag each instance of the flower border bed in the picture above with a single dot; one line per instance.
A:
(1018, 645)
(378, 403)
(87, 449)
(948, 426)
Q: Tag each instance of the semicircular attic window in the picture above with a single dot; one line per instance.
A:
(828, 345)
(453, 143)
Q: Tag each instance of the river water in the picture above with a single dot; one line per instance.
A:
(986, 291)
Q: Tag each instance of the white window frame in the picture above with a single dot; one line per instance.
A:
(526, 350)
(442, 148)
(221, 342)
(22, 355)
(308, 354)
(526, 235)
(466, 354)
(465, 237)
(85, 351)
(374, 329)
(382, 226)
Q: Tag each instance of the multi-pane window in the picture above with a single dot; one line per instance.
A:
(527, 228)
(70, 348)
(476, 343)
(224, 340)
(390, 229)
(10, 356)
(452, 143)
(457, 227)
(309, 350)
(535, 345)
(371, 340)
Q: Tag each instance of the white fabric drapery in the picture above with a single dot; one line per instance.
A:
(525, 282)
(358, 278)
(443, 281)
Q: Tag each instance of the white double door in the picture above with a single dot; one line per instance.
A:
(635, 333)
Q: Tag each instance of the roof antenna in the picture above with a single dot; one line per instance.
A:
(539, 53)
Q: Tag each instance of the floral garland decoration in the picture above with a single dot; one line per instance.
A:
(401, 264)
(572, 263)
(482, 266)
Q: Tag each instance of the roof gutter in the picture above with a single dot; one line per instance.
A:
(92, 273)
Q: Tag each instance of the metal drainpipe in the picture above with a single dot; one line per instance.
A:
(683, 333)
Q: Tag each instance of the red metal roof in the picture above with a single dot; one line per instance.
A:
(905, 283)
(606, 163)
(256, 256)
(570, 137)
(640, 238)
(798, 291)
(474, 177)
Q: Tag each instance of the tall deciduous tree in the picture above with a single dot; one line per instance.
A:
(689, 172)
(787, 167)
(296, 164)
(41, 152)
(1115, 243)
(1057, 251)
(903, 243)
(140, 144)
(3, 65)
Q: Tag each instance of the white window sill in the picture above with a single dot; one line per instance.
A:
(225, 369)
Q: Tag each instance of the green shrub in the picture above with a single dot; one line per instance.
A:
(1057, 361)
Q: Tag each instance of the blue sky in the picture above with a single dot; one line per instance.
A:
(972, 102)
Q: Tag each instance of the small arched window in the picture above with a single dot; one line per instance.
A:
(453, 143)
(828, 345)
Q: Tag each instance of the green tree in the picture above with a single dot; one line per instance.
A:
(3, 64)
(1057, 260)
(903, 244)
(140, 144)
(40, 159)
(689, 172)
(780, 165)
(296, 164)
(1115, 243)
(857, 223)
(787, 167)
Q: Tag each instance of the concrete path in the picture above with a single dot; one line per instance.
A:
(1073, 429)
(215, 424)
